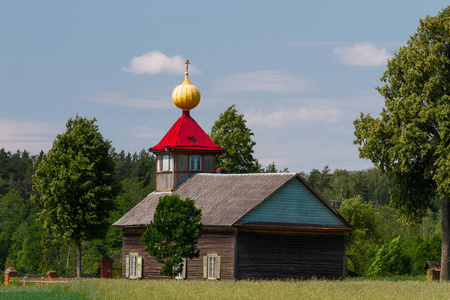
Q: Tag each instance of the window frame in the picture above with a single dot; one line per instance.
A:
(182, 275)
(165, 163)
(133, 265)
(211, 266)
(195, 163)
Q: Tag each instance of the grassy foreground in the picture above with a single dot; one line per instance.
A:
(173, 289)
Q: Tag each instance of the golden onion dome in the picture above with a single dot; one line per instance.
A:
(186, 96)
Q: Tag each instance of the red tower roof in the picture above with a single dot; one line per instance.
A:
(186, 134)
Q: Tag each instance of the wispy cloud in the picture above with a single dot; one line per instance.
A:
(264, 81)
(124, 100)
(28, 135)
(283, 118)
(362, 54)
(145, 132)
(156, 62)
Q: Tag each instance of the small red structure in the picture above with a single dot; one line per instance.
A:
(106, 267)
(51, 274)
(9, 274)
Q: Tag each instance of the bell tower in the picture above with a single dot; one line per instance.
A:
(185, 149)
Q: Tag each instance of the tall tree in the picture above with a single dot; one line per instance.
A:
(173, 234)
(231, 132)
(76, 185)
(410, 141)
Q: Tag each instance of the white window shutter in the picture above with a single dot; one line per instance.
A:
(127, 266)
(139, 266)
(205, 267)
(217, 270)
(184, 262)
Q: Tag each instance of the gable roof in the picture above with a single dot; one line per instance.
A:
(294, 205)
(223, 198)
(186, 134)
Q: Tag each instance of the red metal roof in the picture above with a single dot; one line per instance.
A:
(186, 134)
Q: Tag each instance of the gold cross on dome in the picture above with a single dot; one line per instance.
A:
(187, 65)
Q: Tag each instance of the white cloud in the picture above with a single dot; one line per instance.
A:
(264, 81)
(28, 135)
(283, 118)
(124, 100)
(362, 54)
(156, 62)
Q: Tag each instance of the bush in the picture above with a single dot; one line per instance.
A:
(14, 282)
(391, 260)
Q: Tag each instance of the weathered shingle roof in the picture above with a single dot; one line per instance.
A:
(142, 213)
(223, 198)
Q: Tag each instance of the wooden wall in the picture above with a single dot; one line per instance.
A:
(217, 241)
(131, 243)
(271, 255)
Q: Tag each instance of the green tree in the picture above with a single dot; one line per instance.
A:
(391, 259)
(230, 132)
(12, 212)
(362, 241)
(410, 142)
(76, 184)
(173, 234)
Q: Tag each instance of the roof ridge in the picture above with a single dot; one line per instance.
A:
(246, 174)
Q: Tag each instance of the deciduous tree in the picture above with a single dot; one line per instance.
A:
(410, 141)
(75, 184)
(231, 132)
(173, 234)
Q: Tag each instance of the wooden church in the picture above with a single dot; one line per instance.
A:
(255, 226)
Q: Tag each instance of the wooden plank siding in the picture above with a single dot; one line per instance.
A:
(131, 243)
(217, 241)
(220, 242)
(281, 254)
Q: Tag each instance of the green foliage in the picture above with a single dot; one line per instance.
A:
(425, 249)
(173, 233)
(409, 142)
(362, 241)
(391, 260)
(231, 132)
(14, 282)
(76, 184)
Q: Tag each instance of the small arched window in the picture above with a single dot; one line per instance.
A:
(195, 163)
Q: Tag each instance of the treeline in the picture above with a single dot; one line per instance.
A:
(26, 246)
(380, 245)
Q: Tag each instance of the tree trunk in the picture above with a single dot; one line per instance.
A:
(445, 238)
(78, 244)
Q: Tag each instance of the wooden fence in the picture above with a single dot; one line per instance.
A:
(105, 267)
(51, 278)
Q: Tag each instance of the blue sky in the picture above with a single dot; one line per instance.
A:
(300, 71)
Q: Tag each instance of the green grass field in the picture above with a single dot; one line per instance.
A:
(173, 289)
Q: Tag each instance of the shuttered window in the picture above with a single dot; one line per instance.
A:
(133, 265)
(211, 266)
(181, 274)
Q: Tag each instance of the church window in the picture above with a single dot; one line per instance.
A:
(195, 163)
(133, 265)
(211, 266)
(181, 274)
(166, 161)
